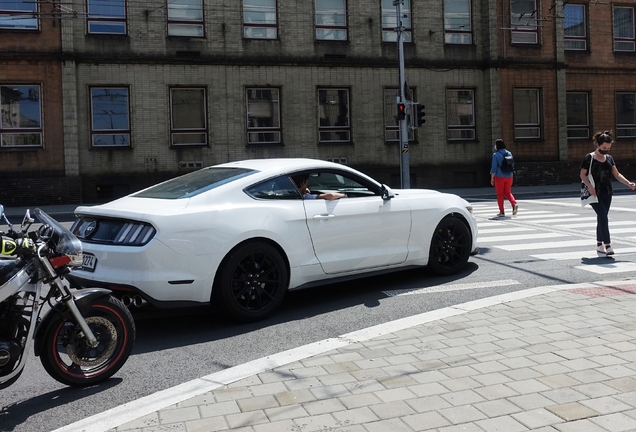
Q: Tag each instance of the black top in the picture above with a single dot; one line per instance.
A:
(601, 173)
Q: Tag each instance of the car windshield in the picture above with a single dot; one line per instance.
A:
(192, 184)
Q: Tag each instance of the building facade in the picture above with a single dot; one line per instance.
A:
(151, 89)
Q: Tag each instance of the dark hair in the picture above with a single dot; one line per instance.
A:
(299, 178)
(499, 144)
(603, 137)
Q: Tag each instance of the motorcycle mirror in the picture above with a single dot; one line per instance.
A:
(27, 221)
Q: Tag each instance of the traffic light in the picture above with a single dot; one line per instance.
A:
(419, 115)
(401, 111)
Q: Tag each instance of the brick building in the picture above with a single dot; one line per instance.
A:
(152, 89)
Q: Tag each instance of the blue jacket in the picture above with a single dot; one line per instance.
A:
(497, 159)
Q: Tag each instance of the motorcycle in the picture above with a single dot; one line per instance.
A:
(84, 337)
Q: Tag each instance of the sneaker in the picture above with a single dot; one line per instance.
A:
(600, 249)
(500, 215)
(515, 209)
(609, 250)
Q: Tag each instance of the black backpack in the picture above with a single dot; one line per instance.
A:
(508, 163)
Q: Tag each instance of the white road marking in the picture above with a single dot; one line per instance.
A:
(552, 215)
(568, 219)
(455, 287)
(593, 224)
(561, 256)
(548, 245)
(617, 231)
(616, 267)
(502, 230)
(520, 237)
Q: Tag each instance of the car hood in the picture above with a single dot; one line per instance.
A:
(135, 207)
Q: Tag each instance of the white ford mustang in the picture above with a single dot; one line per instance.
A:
(241, 234)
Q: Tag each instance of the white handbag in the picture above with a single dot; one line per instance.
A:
(586, 196)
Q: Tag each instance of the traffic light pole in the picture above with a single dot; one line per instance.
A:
(404, 134)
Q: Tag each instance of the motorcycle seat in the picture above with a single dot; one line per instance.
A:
(8, 269)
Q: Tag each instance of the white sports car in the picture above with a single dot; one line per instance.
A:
(241, 234)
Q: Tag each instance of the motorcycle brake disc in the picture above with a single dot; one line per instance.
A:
(106, 335)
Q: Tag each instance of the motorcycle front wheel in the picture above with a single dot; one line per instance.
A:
(68, 357)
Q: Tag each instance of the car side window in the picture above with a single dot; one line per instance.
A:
(325, 181)
(276, 188)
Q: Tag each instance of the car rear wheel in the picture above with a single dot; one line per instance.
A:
(450, 246)
(253, 281)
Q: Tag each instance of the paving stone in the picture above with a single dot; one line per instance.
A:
(257, 403)
(572, 411)
(430, 403)
(392, 409)
(285, 412)
(294, 397)
(208, 425)
(179, 415)
(324, 406)
(426, 421)
(496, 408)
(606, 405)
(355, 416)
(618, 422)
(501, 424)
(462, 414)
(535, 419)
(359, 400)
(393, 425)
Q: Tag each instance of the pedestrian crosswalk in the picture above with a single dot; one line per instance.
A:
(556, 236)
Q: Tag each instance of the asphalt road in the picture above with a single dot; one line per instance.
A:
(180, 346)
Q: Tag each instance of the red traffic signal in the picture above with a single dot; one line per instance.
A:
(401, 111)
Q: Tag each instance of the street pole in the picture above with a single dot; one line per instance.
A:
(404, 135)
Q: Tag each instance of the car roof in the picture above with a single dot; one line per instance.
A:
(282, 164)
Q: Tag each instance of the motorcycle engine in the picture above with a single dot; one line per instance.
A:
(13, 329)
(10, 353)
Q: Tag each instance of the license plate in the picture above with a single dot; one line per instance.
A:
(89, 262)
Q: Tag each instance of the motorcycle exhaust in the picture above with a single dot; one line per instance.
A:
(138, 301)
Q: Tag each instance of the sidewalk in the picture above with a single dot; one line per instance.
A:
(556, 358)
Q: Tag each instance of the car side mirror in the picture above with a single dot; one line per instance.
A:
(387, 193)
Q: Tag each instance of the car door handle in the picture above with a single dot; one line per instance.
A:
(325, 216)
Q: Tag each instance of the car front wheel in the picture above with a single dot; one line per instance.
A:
(450, 246)
(253, 281)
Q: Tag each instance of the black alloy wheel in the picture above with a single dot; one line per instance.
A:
(253, 281)
(450, 246)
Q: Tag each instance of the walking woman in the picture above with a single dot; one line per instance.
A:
(502, 179)
(603, 168)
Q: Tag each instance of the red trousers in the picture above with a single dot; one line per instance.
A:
(503, 185)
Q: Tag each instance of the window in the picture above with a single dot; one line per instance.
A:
(460, 114)
(106, 16)
(333, 112)
(391, 122)
(574, 27)
(259, 19)
(578, 115)
(21, 116)
(276, 188)
(624, 29)
(18, 14)
(389, 21)
(263, 115)
(625, 115)
(110, 121)
(526, 113)
(457, 22)
(185, 18)
(331, 20)
(523, 21)
(188, 117)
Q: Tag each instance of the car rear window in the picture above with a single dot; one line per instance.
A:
(192, 184)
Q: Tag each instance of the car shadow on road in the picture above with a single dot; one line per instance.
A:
(157, 330)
